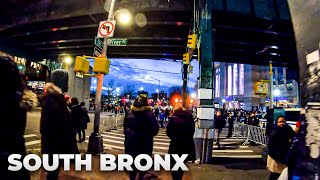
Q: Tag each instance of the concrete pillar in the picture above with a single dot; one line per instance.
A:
(305, 17)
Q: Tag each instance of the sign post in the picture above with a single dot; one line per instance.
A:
(106, 30)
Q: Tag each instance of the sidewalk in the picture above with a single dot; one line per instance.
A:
(220, 170)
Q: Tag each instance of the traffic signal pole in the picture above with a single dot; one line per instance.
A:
(95, 145)
(184, 86)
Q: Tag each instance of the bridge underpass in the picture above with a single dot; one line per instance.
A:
(240, 36)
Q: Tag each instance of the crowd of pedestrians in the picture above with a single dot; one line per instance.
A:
(63, 118)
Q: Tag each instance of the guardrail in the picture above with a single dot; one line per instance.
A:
(112, 121)
(252, 133)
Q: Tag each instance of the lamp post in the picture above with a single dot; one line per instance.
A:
(147, 77)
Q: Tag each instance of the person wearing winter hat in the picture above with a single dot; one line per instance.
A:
(139, 127)
(58, 134)
(13, 109)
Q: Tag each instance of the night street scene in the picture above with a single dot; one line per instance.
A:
(160, 89)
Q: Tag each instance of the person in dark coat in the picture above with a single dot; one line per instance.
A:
(230, 123)
(279, 144)
(180, 130)
(219, 123)
(57, 130)
(13, 107)
(80, 119)
(139, 127)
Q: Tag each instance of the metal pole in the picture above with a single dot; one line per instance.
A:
(184, 87)
(271, 86)
(95, 145)
(159, 91)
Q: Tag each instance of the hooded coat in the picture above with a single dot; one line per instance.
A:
(139, 127)
(180, 130)
(57, 130)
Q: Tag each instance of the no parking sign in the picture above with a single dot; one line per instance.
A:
(106, 29)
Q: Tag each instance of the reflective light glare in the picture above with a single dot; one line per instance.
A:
(274, 47)
(193, 95)
(124, 18)
(67, 60)
(147, 77)
(276, 92)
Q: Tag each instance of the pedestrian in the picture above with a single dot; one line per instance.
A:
(139, 127)
(15, 102)
(56, 128)
(156, 112)
(167, 113)
(279, 144)
(219, 123)
(230, 124)
(80, 119)
(180, 130)
(162, 116)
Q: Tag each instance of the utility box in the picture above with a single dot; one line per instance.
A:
(81, 65)
(101, 65)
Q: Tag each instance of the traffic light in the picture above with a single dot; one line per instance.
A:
(81, 65)
(101, 65)
(190, 69)
(192, 41)
(186, 58)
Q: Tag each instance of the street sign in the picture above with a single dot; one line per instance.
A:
(98, 43)
(117, 42)
(106, 29)
(96, 52)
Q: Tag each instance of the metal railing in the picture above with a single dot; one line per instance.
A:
(252, 133)
(112, 120)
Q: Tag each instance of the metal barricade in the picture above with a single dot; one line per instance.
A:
(240, 130)
(109, 121)
(112, 121)
(256, 134)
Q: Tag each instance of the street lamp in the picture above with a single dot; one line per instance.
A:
(141, 88)
(276, 93)
(67, 60)
(124, 16)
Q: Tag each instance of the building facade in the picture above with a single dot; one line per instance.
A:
(234, 87)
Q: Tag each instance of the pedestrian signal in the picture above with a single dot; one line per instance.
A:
(81, 65)
(190, 69)
(192, 41)
(101, 65)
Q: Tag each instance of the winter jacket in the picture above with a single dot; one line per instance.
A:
(140, 126)
(58, 134)
(79, 117)
(13, 109)
(219, 122)
(180, 130)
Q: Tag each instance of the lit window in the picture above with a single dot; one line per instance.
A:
(235, 79)
(229, 80)
(241, 79)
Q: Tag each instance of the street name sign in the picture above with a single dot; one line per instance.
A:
(98, 43)
(117, 42)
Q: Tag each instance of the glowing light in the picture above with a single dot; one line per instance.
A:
(193, 95)
(67, 60)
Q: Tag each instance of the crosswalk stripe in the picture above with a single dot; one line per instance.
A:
(231, 140)
(29, 135)
(237, 156)
(241, 147)
(32, 142)
(122, 135)
(231, 150)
